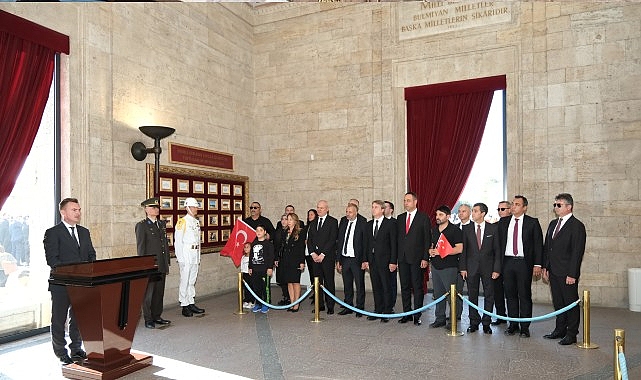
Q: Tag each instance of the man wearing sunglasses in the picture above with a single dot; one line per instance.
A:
(255, 219)
(504, 209)
(563, 254)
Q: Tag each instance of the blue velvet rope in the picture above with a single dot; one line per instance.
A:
(532, 319)
(623, 367)
(277, 307)
(377, 315)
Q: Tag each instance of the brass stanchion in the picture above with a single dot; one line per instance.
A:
(619, 346)
(453, 322)
(240, 295)
(586, 322)
(317, 291)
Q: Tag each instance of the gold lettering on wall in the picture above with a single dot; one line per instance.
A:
(426, 18)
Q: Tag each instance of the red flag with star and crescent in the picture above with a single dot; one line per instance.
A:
(241, 234)
(443, 246)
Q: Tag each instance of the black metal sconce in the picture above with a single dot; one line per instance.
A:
(139, 151)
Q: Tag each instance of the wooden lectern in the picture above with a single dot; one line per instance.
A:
(106, 296)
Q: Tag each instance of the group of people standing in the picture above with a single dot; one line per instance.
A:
(500, 258)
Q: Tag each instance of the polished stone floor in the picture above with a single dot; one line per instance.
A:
(283, 345)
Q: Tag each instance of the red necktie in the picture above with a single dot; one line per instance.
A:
(407, 223)
(556, 230)
(515, 238)
(478, 235)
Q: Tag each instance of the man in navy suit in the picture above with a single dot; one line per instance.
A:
(563, 253)
(321, 245)
(350, 256)
(66, 243)
(414, 240)
(381, 258)
(521, 241)
(480, 261)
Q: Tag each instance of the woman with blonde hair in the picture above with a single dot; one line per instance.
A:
(292, 260)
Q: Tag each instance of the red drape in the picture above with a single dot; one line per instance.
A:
(445, 124)
(26, 72)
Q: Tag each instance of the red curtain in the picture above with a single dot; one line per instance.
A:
(445, 124)
(26, 72)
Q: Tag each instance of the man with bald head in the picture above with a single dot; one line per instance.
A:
(321, 244)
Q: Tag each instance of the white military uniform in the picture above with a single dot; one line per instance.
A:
(187, 245)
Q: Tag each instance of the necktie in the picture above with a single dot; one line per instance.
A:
(349, 228)
(558, 227)
(73, 235)
(375, 228)
(320, 223)
(515, 238)
(407, 223)
(478, 235)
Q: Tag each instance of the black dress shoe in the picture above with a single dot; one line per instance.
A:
(321, 308)
(65, 359)
(384, 320)
(79, 355)
(418, 322)
(487, 329)
(437, 324)
(472, 329)
(554, 335)
(405, 319)
(371, 318)
(187, 311)
(511, 330)
(196, 309)
(567, 340)
(525, 333)
(358, 315)
(161, 321)
(294, 310)
(330, 311)
(345, 312)
(498, 322)
(150, 325)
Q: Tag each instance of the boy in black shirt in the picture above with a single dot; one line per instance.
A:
(261, 263)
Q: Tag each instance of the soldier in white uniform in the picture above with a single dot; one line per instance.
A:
(187, 244)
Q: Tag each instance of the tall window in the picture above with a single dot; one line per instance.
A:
(30, 209)
(486, 182)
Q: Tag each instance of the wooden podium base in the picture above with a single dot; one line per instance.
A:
(89, 371)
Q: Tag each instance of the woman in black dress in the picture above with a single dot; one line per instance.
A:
(279, 239)
(292, 260)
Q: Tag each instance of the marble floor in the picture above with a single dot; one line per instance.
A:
(282, 345)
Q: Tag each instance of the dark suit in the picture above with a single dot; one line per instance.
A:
(479, 264)
(563, 255)
(351, 266)
(517, 272)
(381, 252)
(413, 247)
(323, 241)
(62, 249)
(151, 239)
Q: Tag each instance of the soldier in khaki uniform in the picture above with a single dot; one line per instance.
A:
(187, 245)
(151, 239)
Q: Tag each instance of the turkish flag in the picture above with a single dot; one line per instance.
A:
(443, 246)
(241, 234)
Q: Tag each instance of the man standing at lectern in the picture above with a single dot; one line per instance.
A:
(151, 239)
(66, 243)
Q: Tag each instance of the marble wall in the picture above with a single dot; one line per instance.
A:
(309, 99)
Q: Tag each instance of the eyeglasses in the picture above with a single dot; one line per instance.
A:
(558, 205)
(254, 207)
(502, 209)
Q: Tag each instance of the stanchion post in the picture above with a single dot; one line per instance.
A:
(240, 295)
(619, 341)
(453, 322)
(317, 295)
(586, 322)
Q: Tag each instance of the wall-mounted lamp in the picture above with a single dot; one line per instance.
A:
(139, 150)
